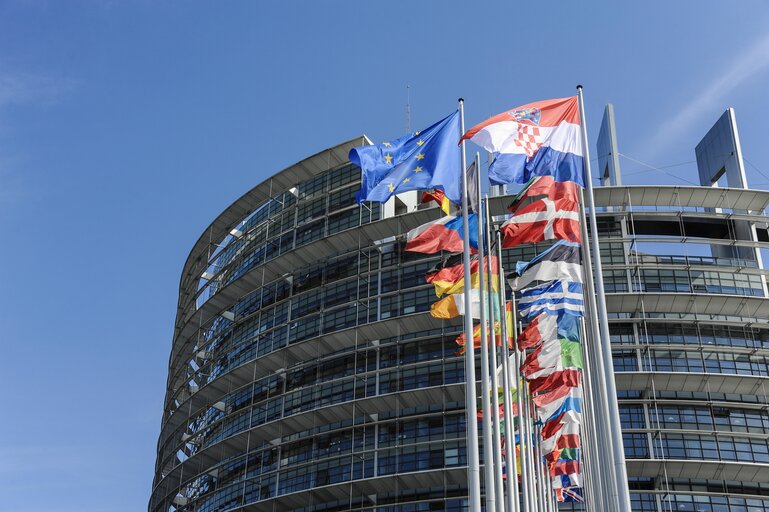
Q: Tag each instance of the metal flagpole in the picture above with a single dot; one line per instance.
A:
(603, 462)
(493, 355)
(489, 480)
(473, 467)
(545, 495)
(589, 444)
(534, 494)
(510, 459)
(615, 428)
(527, 504)
(525, 429)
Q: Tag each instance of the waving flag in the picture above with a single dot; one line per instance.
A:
(569, 495)
(549, 327)
(448, 276)
(568, 377)
(562, 261)
(553, 426)
(422, 160)
(565, 468)
(571, 401)
(452, 306)
(553, 298)
(439, 197)
(544, 186)
(444, 234)
(550, 357)
(570, 480)
(542, 220)
(537, 139)
(566, 439)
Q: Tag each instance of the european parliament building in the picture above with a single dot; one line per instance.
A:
(306, 373)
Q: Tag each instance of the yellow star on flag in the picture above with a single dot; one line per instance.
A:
(390, 187)
(416, 133)
(418, 169)
(406, 180)
(386, 144)
(388, 158)
(420, 156)
(420, 142)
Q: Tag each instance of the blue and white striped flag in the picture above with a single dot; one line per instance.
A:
(552, 298)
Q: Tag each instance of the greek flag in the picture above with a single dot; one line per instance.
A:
(553, 298)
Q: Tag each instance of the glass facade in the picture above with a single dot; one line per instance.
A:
(306, 373)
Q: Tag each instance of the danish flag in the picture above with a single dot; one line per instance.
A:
(545, 219)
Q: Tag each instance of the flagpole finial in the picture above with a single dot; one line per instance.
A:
(461, 100)
(579, 87)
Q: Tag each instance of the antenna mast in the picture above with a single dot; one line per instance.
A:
(408, 108)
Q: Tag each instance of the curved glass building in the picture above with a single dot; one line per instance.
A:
(306, 373)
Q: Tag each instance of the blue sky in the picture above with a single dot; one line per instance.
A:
(126, 127)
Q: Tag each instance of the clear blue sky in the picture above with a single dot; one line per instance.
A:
(126, 127)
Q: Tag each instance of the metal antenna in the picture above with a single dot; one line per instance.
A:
(408, 108)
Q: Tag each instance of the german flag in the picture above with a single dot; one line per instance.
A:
(439, 197)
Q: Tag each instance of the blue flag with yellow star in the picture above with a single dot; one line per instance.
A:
(422, 160)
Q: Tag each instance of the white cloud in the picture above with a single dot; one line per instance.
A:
(750, 62)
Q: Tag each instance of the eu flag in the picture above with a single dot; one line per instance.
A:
(422, 160)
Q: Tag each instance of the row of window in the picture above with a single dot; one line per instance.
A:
(690, 361)
(700, 447)
(334, 451)
(725, 419)
(432, 456)
(692, 334)
(313, 397)
(433, 344)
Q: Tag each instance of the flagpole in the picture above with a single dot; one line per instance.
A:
(533, 490)
(489, 470)
(510, 458)
(473, 467)
(493, 355)
(588, 433)
(522, 418)
(603, 458)
(541, 471)
(607, 366)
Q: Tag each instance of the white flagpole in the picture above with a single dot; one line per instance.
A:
(489, 481)
(493, 355)
(510, 458)
(534, 492)
(543, 481)
(591, 469)
(603, 459)
(528, 491)
(473, 467)
(615, 428)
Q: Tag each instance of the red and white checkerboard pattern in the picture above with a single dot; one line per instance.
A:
(528, 139)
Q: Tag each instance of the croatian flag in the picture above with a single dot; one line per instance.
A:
(537, 139)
